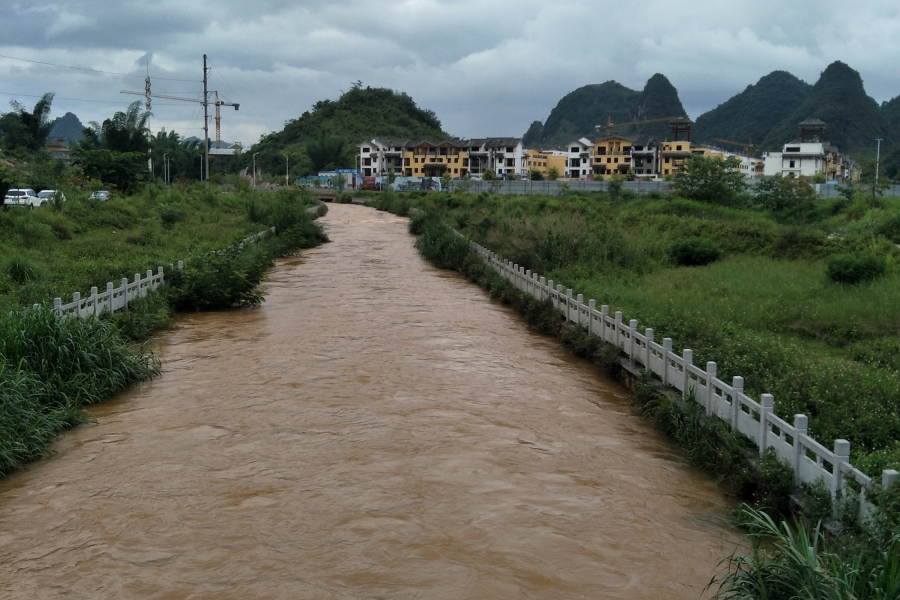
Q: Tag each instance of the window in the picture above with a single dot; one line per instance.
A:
(456, 170)
(575, 162)
(638, 148)
(667, 162)
(574, 149)
(617, 160)
(366, 150)
(792, 149)
(509, 150)
(678, 148)
(793, 164)
(417, 170)
(465, 162)
(609, 160)
(510, 162)
(367, 161)
(601, 151)
(406, 162)
(667, 171)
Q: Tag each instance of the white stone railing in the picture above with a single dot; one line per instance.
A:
(811, 461)
(116, 298)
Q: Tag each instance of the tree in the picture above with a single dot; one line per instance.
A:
(116, 152)
(184, 156)
(873, 188)
(27, 130)
(710, 179)
(488, 175)
(553, 174)
(780, 194)
(535, 175)
(326, 152)
(445, 180)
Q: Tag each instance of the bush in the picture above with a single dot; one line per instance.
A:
(219, 280)
(855, 268)
(170, 213)
(21, 270)
(693, 252)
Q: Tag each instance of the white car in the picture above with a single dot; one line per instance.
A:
(101, 195)
(47, 195)
(21, 197)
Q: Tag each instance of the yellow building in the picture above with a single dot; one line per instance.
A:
(611, 155)
(433, 159)
(543, 161)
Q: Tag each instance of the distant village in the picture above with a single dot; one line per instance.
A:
(597, 157)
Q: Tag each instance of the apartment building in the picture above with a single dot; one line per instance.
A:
(809, 155)
(504, 156)
(432, 158)
(544, 160)
(578, 159)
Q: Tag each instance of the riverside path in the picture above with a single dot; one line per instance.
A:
(377, 429)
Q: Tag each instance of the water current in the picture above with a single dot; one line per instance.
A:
(377, 429)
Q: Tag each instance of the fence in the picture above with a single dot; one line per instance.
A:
(641, 188)
(117, 298)
(811, 461)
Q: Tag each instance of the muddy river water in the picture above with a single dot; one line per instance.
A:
(377, 429)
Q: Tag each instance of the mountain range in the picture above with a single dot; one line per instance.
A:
(767, 111)
(67, 127)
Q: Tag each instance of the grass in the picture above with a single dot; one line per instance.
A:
(87, 243)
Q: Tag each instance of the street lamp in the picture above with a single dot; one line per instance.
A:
(254, 168)
(166, 168)
(286, 171)
(877, 159)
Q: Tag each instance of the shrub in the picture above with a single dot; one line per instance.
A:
(855, 268)
(344, 198)
(21, 270)
(693, 252)
(222, 279)
(170, 213)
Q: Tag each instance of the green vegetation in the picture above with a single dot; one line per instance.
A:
(855, 268)
(796, 562)
(579, 112)
(693, 252)
(755, 111)
(49, 369)
(325, 137)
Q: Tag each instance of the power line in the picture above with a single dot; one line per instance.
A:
(38, 62)
(82, 99)
(236, 97)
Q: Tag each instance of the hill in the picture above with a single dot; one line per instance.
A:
(579, 112)
(67, 126)
(854, 120)
(325, 137)
(755, 111)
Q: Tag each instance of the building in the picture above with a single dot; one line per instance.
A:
(578, 159)
(544, 160)
(680, 148)
(504, 156)
(432, 158)
(808, 156)
(58, 148)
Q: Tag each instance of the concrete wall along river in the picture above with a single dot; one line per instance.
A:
(378, 429)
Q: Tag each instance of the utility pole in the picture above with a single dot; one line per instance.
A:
(877, 159)
(166, 169)
(286, 171)
(205, 125)
(254, 168)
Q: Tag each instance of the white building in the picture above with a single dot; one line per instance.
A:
(379, 156)
(578, 159)
(807, 156)
(504, 156)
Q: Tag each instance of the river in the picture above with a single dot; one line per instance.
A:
(377, 429)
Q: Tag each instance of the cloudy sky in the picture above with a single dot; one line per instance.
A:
(486, 67)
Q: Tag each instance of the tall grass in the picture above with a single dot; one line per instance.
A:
(49, 369)
(796, 562)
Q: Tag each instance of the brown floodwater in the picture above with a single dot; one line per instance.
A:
(377, 429)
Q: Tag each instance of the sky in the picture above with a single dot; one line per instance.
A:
(486, 67)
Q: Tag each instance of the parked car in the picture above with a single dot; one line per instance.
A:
(21, 197)
(47, 195)
(101, 195)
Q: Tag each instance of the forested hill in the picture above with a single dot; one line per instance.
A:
(580, 111)
(326, 136)
(853, 119)
(755, 111)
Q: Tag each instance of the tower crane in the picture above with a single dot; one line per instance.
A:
(749, 145)
(217, 103)
(609, 124)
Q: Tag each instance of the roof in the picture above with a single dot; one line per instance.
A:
(812, 123)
